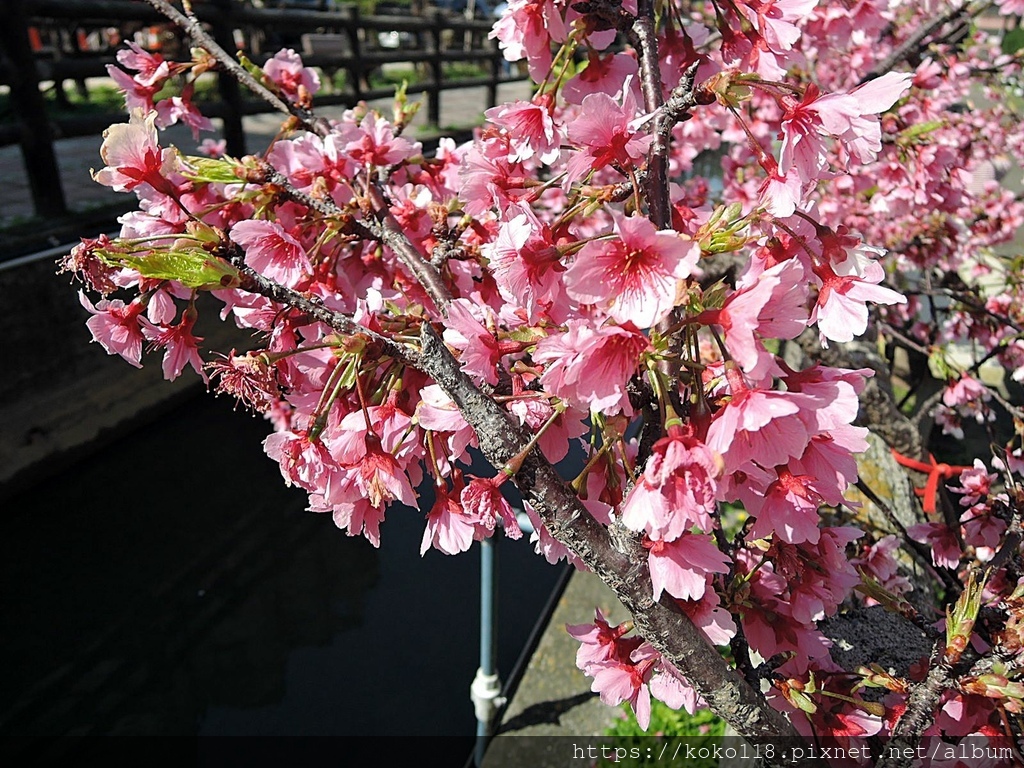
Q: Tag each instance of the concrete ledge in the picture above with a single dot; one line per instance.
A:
(554, 697)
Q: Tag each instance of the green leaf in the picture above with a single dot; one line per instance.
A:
(913, 131)
(714, 295)
(940, 367)
(527, 334)
(960, 617)
(191, 268)
(249, 67)
(1013, 41)
(223, 171)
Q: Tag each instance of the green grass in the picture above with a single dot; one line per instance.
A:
(666, 721)
(463, 70)
(395, 77)
(699, 729)
(102, 99)
(452, 71)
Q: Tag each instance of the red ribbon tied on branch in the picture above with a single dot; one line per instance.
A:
(935, 472)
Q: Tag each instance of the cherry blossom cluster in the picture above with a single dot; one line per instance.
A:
(672, 347)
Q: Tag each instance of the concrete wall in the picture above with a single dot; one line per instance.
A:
(60, 394)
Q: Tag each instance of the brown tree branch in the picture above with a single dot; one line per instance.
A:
(389, 231)
(646, 41)
(194, 29)
(919, 40)
(676, 109)
(383, 228)
(671, 632)
(253, 282)
(924, 698)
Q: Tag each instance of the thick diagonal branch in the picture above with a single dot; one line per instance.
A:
(626, 573)
(921, 38)
(194, 29)
(389, 231)
(381, 227)
(253, 282)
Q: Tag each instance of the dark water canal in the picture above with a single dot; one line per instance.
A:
(172, 586)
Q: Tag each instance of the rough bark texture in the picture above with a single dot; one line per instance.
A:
(668, 630)
(656, 186)
(918, 716)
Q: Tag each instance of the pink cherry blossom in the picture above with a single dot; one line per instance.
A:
(437, 413)
(668, 685)
(480, 350)
(270, 250)
(601, 643)
(710, 618)
(303, 462)
(681, 566)
(849, 117)
(246, 377)
(781, 193)
(286, 71)
(531, 130)
(677, 489)
(380, 477)
(775, 20)
(150, 68)
(969, 397)
(525, 31)
(180, 345)
(359, 517)
(941, 540)
(608, 133)
(975, 484)
(116, 326)
(535, 412)
(588, 367)
(617, 682)
(482, 498)
(181, 109)
(488, 179)
(133, 155)
(603, 74)
(635, 276)
(841, 311)
(789, 510)
(449, 529)
(758, 425)
(770, 306)
(137, 96)
(527, 264)
(376, 143)
(1011, 7)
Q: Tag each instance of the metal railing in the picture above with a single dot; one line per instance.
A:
(337, 40)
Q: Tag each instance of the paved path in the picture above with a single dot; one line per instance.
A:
(462, 108)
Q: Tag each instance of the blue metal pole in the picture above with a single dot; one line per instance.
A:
(486, 687)
(488, 606)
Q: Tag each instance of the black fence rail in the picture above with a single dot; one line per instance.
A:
(72, 40)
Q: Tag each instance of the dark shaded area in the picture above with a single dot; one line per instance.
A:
(549, 712)
(208, 604)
